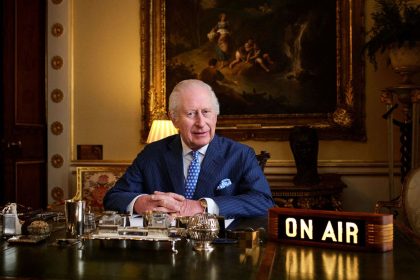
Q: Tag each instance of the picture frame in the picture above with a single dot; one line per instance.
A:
(344, 120)
(89, 152)
(93, 182)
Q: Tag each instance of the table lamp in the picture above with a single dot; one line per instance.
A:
(161, 129)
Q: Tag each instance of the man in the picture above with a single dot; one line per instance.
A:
(230, 182)
(211, 75)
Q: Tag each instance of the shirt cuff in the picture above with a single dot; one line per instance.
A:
(130, 207)
(212, 207)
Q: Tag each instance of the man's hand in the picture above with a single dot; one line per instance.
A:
(159, 201)
(190, 208)
(171, 203)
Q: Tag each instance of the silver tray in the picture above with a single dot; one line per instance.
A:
(170, 235)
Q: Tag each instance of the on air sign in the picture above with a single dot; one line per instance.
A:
(345, 230)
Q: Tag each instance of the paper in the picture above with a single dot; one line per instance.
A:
(136, 221)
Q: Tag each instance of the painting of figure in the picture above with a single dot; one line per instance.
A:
(271, 57)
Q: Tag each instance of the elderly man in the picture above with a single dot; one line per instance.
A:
(195, 170)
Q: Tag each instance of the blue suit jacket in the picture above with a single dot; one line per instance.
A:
(159, 167)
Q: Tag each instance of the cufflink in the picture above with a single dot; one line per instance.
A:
(203, 204)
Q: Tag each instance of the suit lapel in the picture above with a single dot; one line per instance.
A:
(175, 166)
(210, 168)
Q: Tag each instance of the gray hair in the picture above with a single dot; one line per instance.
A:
(189, 84)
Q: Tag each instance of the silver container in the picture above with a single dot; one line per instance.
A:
(75, 216)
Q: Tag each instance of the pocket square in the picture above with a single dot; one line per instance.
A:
(224, 184)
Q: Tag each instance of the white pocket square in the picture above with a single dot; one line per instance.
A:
(224, 184)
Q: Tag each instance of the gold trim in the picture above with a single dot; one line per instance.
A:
(379, 234)
(56, 128)
(57, 62)
(343, 117)
(57, 95)
(57, 29)
(57, 161)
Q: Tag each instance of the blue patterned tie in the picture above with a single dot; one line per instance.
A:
(192, 175)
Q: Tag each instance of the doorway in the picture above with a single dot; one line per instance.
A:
(23, 130)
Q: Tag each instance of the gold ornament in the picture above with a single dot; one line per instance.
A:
(57, 95)
(57, 62)
(57, 29)
(343, 117)
(57, 161)
(57, 128)
(57, 194)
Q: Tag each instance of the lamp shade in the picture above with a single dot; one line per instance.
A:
(161, 129)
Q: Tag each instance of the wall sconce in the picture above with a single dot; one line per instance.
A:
(161, 129)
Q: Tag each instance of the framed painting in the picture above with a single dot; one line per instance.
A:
(272, 64)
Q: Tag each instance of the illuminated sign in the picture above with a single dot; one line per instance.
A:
(345, 230)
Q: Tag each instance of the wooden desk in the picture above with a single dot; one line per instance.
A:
(127, 260)
(325, 195)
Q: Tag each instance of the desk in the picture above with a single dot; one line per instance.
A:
(226, 261)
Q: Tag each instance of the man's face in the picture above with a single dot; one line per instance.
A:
(196, 118)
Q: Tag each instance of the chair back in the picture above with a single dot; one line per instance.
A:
(94, 182)
(262, 158)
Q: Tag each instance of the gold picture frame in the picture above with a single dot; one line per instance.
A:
(345, 122)
(93, 182)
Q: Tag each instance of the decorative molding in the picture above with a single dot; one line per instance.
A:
(57, 194)
(57, 95)
(57, 62)
(100, 163)
(345, 168)
(57, 29)
(57, 161)
(60, 88)
(275, 168)
(56, 128)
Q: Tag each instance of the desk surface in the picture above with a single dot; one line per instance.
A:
(134, 260)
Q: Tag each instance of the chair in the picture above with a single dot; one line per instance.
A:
(94, 182)
(262, 158)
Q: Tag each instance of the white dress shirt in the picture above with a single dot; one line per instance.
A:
(212, 207)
